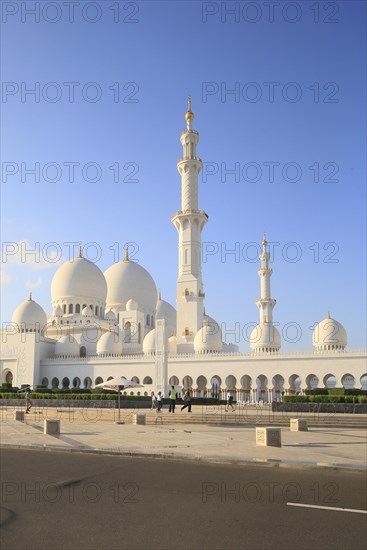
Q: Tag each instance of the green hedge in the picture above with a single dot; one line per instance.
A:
(317, 391)
(325, 399)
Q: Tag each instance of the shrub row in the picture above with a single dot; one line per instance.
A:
(325, 399)
(336, 391)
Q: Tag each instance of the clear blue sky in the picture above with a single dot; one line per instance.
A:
(172, 50)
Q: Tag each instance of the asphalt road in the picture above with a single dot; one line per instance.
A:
(76, 501)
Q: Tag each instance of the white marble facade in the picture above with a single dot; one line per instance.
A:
(106, 324)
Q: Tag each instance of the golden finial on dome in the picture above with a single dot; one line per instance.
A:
(126, 259)
(265, 242)
(30, 297)
(204, 313)
(328, 314)
(80, 255)
(189, 114)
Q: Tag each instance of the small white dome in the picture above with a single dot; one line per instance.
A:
(110, 316)
(79, 279)
(67, 345)
(149, 342)
(172, 344)
(209, 338)
(110, 343)
(126, 280)
(30, 313)
(168, 312)
(132, 305)
(328, 335)
(265, 338)
(87, 311)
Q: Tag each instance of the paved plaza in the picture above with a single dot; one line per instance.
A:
(188, 438)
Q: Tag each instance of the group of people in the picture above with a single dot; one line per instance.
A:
(157, 400)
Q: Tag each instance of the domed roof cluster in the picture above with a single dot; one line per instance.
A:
(110, 343)
(209, 338)
(79, 278)
(30, 314)
(168, 312)
(129, 282)
(329, 335)
(264, 338)
(149, 342)
(67, 345)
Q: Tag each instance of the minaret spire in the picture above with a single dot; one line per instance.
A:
(265, 337)
(189, 222)
(189, 115)
(266, 302)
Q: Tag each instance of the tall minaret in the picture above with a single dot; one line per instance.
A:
(189, 222)
(266, 304)
(265, 337)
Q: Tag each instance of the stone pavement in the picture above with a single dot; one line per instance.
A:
(319, 447)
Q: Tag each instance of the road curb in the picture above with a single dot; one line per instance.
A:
(270, 462)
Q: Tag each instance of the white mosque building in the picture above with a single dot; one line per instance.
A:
(115, 323)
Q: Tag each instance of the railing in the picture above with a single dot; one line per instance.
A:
(203, 356)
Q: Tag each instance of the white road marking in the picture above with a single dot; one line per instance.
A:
(327, 508)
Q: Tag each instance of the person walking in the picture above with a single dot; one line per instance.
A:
(154, 401)
(229, 401)
(159, 401)
(28, 402)
(187, 400)
(172, 399)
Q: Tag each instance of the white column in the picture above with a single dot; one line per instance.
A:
(161, 356)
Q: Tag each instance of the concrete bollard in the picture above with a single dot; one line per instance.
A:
(138, 419)
(19, 415)
(268, 437)
(298, 425)
(51, 427)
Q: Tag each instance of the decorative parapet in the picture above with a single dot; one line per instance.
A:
(206, 356)
(190, 211)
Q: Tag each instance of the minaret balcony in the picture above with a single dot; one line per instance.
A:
(189, 211)
(184, 159)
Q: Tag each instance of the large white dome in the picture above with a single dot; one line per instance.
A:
(30, 313)
(168, 312)
(209, 338)
(67, 345)
(328, 335)
(265, 338)
(128, 280)
(110, 343)
(79, 279)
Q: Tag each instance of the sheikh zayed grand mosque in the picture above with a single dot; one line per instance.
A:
(115, 323)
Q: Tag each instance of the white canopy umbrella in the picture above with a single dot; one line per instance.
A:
(118, 384)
